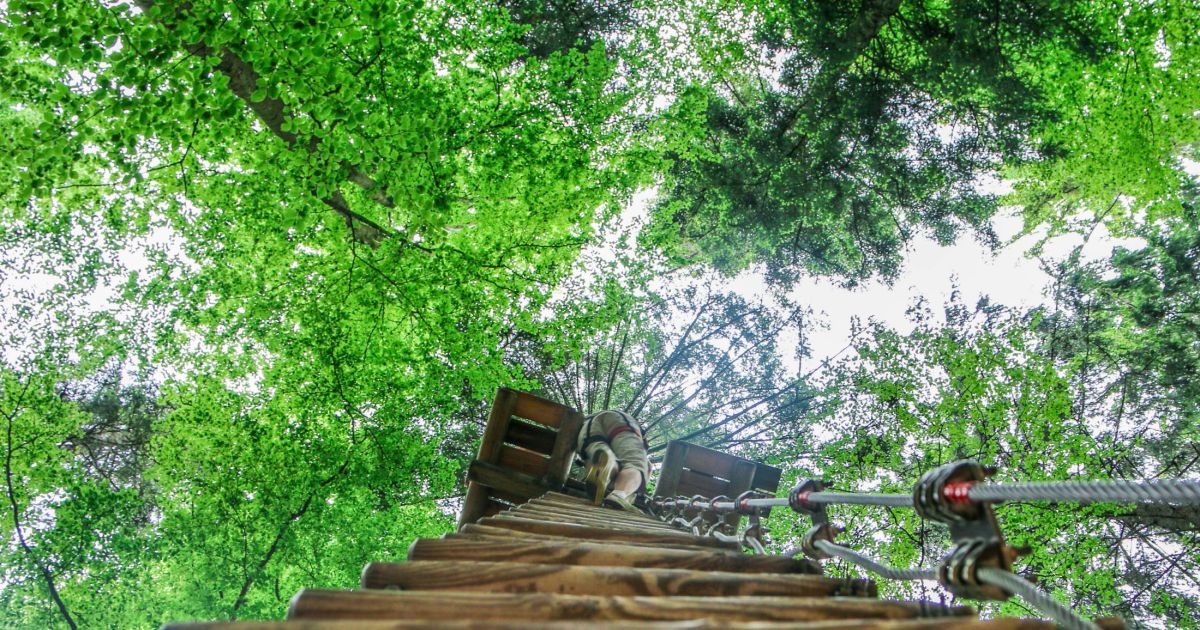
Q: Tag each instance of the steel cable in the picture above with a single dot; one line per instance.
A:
(891, 573)
(1173, 491)
(1117, 491)
(1039, 599)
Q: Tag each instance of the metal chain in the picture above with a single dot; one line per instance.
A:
(1039, 599)
(891, 573)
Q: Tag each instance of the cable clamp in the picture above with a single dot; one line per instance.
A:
(943, 494)
(821, 531)
(742, 507)
(798, 500)
(959, 570)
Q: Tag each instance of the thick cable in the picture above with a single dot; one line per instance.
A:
(1039, 599)
(891, 573)
(1174, 491)
(827, 498)
(1117, 491)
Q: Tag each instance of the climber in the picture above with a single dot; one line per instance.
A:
(612, 447)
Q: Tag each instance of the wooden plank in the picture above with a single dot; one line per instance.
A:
(534, 437)
(545, 514)
(486, 532)
(559, 465)
(504, 479)
(596, 533)
(668, 477)
(330, 604)
(497, 425)
(493, 508)
(517, 577)
(699, 624)
(598, 554)
(474, 504)
(766, 478)
(692, 483)
(709, 462)
(539, 410)
(739, 482)
(521, 460)
(507, 497)
(598, 512)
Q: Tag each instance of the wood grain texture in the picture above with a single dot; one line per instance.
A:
(329, 604)
(515, 577)
(497, 424)
(608, 514)
(523, 460)
(589, 518)
(692, 483)
(474, 504)
(559, 466)
(596, 554)
(700, 624)
(534, 437)
(509, 521)
(486, 532)
(505, 479)
(539, 410)
(605, 512)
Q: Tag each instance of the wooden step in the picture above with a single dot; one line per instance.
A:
(583, 518)
(700, 624)
(486, 532)
(550, 501)
(480, 532)
(371, 604)
(515, 577)
(534, 526)
(599, 554)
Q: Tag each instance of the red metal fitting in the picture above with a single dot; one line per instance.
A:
(958, 491)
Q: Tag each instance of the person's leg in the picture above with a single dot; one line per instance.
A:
(628, 481)
(635, 467)
(601, 470)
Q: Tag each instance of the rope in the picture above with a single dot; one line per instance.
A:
(1049, 606)
(891, 573)
(1117, 491)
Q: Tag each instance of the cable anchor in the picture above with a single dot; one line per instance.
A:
(942, 495)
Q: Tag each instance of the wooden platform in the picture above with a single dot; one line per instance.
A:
(559, 562)
(526, 451)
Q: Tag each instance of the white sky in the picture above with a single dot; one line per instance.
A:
(1007, 276)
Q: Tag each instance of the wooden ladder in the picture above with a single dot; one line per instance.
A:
(558, 562)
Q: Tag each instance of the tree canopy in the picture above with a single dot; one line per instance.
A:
(263, 265)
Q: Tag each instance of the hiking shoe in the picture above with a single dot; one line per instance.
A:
(602, 467)
(621, 501)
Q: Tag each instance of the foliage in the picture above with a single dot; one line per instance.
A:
(305, 225)
(981, 385)
(262, 264)
(873, 124)
(1126, 124)
(690, 358)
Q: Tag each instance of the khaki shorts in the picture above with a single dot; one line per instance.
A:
(623, 434)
